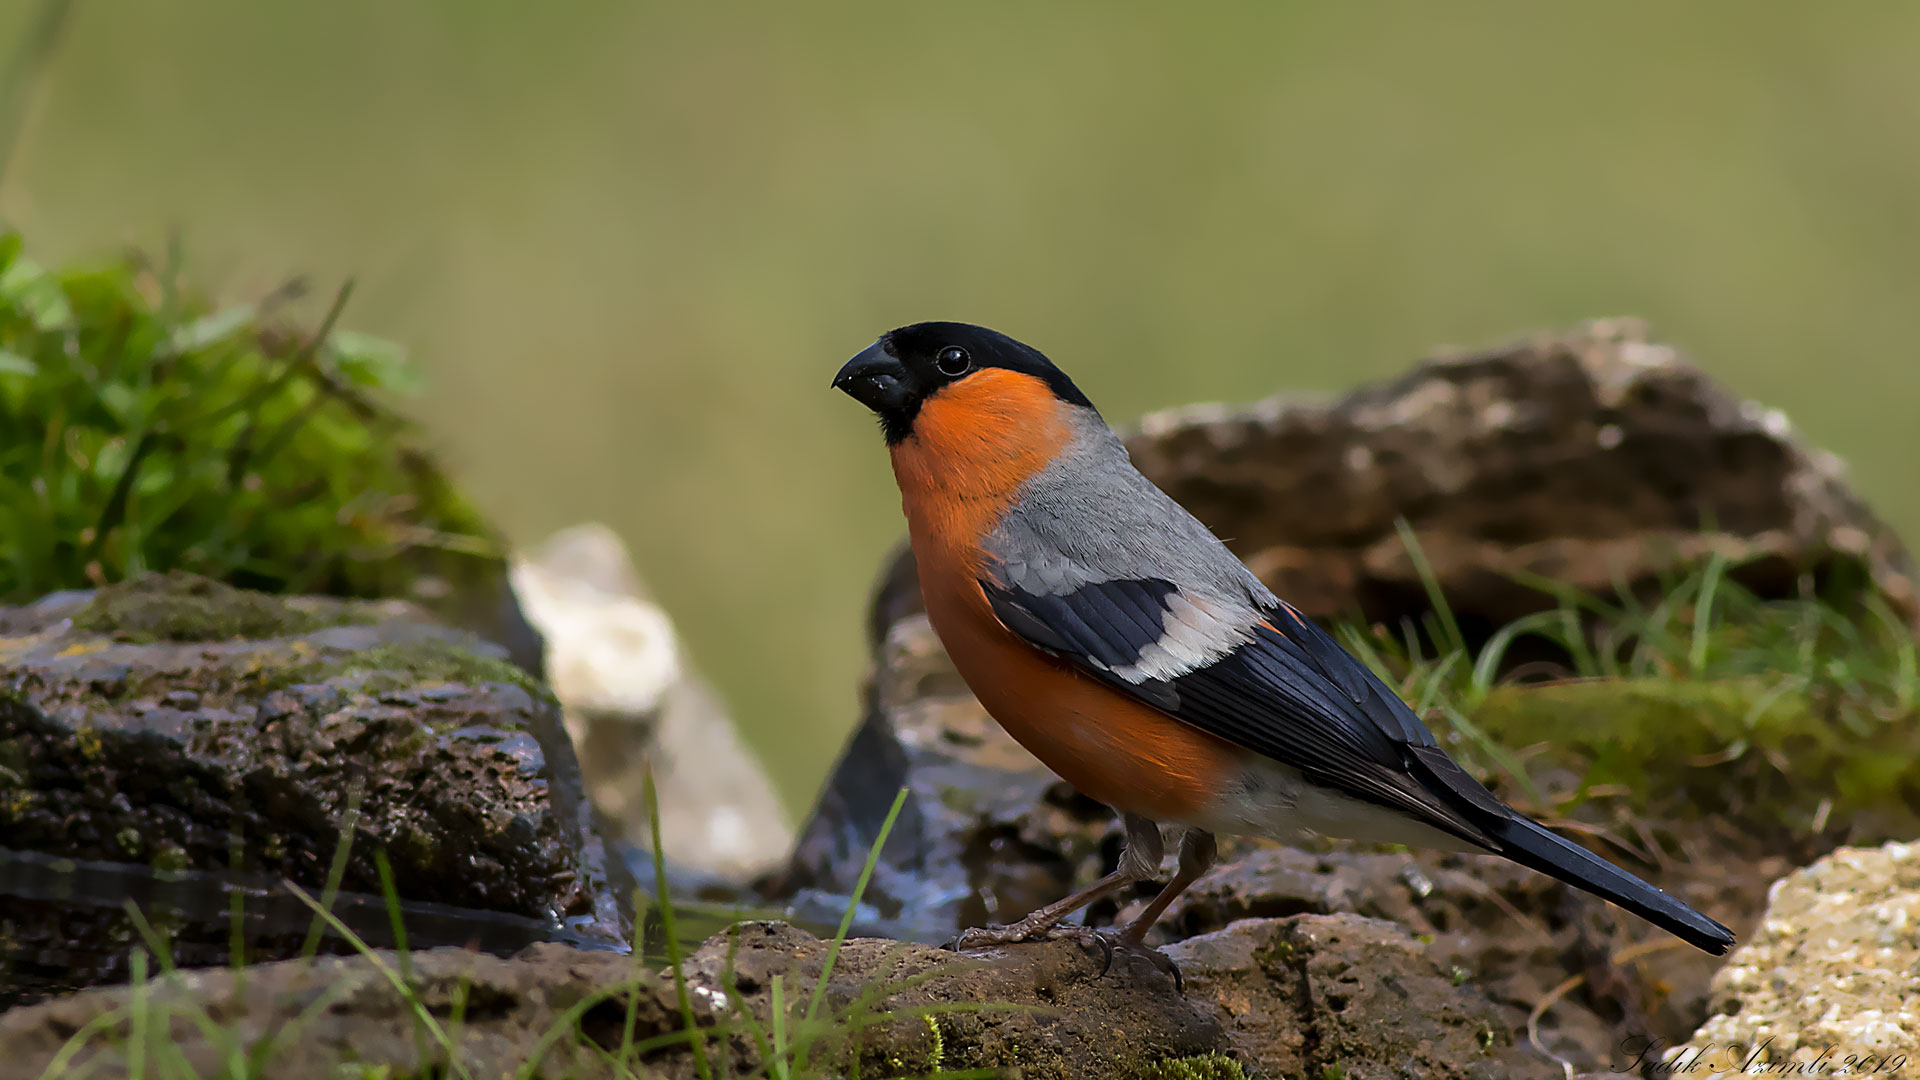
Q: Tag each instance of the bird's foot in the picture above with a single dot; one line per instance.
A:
(1108, 943)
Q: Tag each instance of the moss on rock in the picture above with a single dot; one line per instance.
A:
(1214, 1066)
(1735, 746)
(179, 606)
(415, 663)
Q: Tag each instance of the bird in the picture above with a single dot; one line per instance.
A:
(1119, 641)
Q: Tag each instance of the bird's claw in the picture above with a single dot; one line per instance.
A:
(1107, 942)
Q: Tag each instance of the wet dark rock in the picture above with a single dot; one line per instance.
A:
(1045, 1009)
(472, 591)
(1309, 996)
(161, 740)
(1341, 995)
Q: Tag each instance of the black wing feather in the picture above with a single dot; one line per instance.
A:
(1097, 629)
(1291, 694)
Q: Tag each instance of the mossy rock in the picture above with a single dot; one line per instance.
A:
(181, 725)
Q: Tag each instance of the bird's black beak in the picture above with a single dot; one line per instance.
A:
(876, 380)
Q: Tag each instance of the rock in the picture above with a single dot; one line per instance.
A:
(1588, 457)
(140, 736)
(342, 1016)
(472, 591)
(1833, 972)
(986, 834)
(1046, 1010)
(1591, 458)
(1490, 924)
(632, 702)
(1341, 995)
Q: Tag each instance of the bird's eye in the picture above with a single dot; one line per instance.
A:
(952, 361)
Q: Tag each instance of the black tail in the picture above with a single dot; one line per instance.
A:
(1532, 846)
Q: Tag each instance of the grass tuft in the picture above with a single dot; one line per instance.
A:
(1804, 709)
(149, 430)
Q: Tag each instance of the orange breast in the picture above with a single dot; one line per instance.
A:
(958, 474)
(1123, 753)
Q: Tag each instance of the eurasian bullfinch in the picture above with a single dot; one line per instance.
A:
(1118, 640)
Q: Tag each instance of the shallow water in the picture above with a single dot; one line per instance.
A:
(66, 924)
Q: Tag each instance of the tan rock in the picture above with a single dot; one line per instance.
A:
(632, 701)
(1833, 973)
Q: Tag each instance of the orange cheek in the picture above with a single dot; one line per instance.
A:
(973, 444)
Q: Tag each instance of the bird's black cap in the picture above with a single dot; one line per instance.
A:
(895, 374)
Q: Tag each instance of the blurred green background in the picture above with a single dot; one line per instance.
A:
(629, 244)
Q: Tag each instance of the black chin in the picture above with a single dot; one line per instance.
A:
(897, 424)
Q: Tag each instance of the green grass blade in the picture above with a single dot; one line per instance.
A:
(421, 1014)
(1435, 683)
(667, 928)
(1453, 639)
(846, 925)
(625, 1057)
(779, 1021)
(336, 869)
(62, 1061)
(1497, 753)
(853, 903)
(737, 1002)
(1574, 635)
(1904, 679)
(397, 925)
(1486, 669)
(137, 1033)
(1359, 641)
(226, 1040)
(532, 1066)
